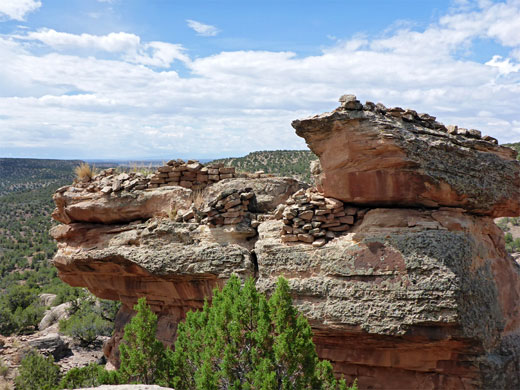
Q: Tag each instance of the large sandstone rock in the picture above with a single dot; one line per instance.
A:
(404, 296)
(400, 297)
(376, 156)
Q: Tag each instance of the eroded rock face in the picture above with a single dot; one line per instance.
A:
(398, 297)
(373, 155)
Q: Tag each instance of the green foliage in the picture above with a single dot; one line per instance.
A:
(3, 369)
(143, 357)
(89, 376)
(243, 341)
(37, 372)
(292, 163)
(509, 226)
(87, 323)
(20, 311)
(515, 146)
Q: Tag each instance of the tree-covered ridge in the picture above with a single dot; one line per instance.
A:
(24, 174)
(292, 163)
(26, 246)
(515, 146)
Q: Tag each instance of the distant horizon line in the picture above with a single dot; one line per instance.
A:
(147, 159)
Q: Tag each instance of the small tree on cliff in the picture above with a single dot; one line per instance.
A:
(143, 357)
(243, 341)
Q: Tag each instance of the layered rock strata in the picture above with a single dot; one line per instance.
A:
(373, 155)
(401, 297)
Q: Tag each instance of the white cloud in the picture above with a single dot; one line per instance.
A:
(231, 103)
(205, 30)
(160, 54)
(503, 66)
(17, 9)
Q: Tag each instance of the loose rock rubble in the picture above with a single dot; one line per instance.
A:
(311, 218)
(350, 103)
(108, 181)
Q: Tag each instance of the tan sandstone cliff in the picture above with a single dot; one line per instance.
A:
(395, 261)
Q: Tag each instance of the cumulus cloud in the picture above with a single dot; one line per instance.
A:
(231, 103)
(160, 54)
(205, 30)
(17, 9)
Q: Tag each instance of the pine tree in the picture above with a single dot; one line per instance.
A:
(143, 357)
(243, 341)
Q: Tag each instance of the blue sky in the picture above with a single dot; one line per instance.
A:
(134, 79)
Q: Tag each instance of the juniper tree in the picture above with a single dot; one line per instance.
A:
(143, 357)
(243, 341)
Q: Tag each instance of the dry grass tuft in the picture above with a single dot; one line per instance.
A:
(84, 172)
(197, 199)
(145, 170)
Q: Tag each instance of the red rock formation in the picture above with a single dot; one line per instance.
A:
(371, 155)
(401, 298)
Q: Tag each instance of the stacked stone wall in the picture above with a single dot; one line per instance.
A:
(191, 174)
(312, 218)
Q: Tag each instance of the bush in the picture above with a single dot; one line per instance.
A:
(20, 310)
(244, 341)
(37, 372)
(89, 376)
(85, 327)
(143, 357)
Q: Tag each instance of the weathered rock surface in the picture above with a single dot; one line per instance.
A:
(419, 295)
(399, 298)
(373, 155)
(54, 315)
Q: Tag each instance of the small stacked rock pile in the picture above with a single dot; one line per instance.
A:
(349, 102)
(314, 219)
(191, 174)
(108, 181)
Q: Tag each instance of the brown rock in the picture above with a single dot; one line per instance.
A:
(371, 159)
(306, 215)
(305, 237)
(348, 219)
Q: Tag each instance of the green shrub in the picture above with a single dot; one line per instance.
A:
(37, 372)
(244, 341)
(27, 319)
(143, 357)
(89, 376)
(85, 327)
(20, 311)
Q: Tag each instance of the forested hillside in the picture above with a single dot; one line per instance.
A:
(293, 163)
(23, 174)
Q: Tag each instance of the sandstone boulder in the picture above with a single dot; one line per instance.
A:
(376, 156)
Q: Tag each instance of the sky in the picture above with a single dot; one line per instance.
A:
(158, 79)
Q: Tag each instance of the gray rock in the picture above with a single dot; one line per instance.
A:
(51, 344)
(54, 315)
